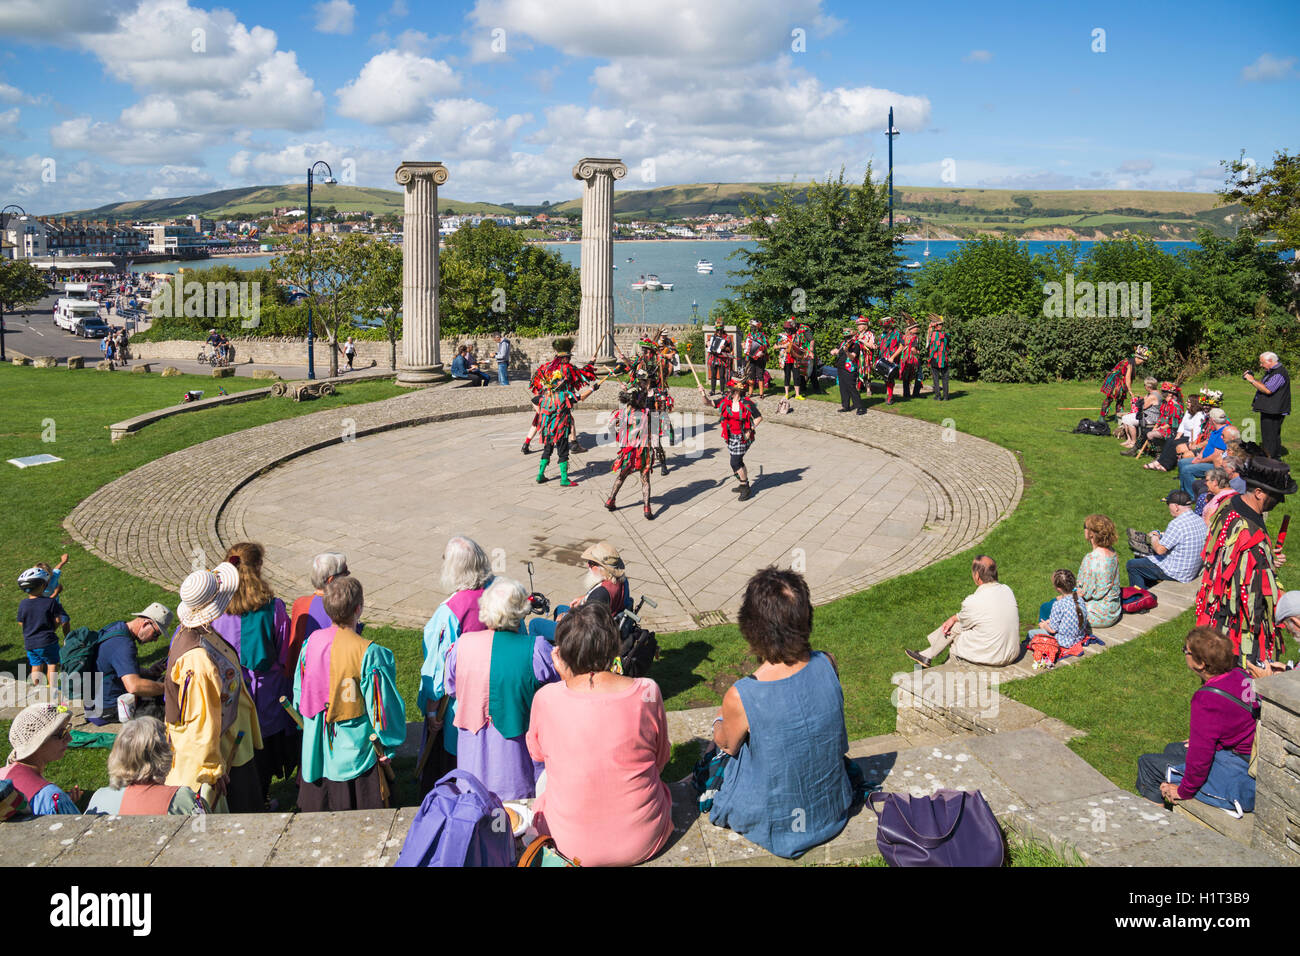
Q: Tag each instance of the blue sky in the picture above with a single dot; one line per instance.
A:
(109, 100)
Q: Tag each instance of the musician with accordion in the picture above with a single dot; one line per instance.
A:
(721, 359)
(755, 349)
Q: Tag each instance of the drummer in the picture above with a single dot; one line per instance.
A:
(891, 347)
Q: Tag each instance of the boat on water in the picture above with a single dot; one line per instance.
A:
(704, 267)
(651, 283)
(912, 265)
(927, 248)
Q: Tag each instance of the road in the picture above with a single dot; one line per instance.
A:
(32, 332)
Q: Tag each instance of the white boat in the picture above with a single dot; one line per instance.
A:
(911, 265)
(927, 248)
(704, 267)
(651, 283)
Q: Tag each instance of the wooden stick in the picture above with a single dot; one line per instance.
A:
(385, 768)
(287, 704)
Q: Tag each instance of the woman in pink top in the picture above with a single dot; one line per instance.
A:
(604, 740)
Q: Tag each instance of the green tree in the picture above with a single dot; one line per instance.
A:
(330, 271)
(986, 276)
(825, 258)
(380, 296)
(21, 284)
(1271, 200)
(492, 281)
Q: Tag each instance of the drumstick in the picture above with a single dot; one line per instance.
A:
(385, 764)
(287, 704)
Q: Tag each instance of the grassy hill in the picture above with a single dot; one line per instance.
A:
(946, 213)
(233, 203)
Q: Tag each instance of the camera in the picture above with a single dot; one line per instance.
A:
(1245, 375)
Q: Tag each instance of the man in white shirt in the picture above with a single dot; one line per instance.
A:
(987, 628)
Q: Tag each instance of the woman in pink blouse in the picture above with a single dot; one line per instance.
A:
(604, 740)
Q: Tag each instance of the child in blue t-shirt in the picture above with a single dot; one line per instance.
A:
(55, 587)
(1066, 623)
(41, 617)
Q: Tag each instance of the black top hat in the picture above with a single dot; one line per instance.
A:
(1270, 475)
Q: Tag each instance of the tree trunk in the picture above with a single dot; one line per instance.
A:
(392, 352)
(334, 350)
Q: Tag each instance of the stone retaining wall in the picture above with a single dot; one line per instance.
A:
(525, 353)
(1277, 795)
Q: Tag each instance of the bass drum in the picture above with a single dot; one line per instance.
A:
(885, 369)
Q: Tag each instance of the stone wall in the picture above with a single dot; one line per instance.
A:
(525, 354)
(1277, 791)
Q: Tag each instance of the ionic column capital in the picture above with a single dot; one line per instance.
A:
(408, 171)
(591, 166)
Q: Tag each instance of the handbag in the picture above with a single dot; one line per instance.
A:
(949, 828)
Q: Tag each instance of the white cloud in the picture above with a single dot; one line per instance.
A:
(1136, 166)
(54, 20)
(1268, 67)
(335, 16)
(179, 181)
(720, 32)
(11, 94)
(977, 56)
(395, 87)
(130, 147)
(9, 124)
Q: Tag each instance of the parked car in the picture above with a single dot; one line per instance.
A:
(91, 327)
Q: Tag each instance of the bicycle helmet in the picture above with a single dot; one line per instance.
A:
(34, 579)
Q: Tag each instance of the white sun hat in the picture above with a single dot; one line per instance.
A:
(205, 594)
(34, 725)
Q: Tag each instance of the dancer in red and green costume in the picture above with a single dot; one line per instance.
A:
(655, 362)
(1239, 589)
(555, 406)
(891, 349)
(576, 377)
(909, 361)
(739, 416)
(867, 344)
(936, 348)
(755, 349)
(793, 343)
(1118, 385)
(633, 424)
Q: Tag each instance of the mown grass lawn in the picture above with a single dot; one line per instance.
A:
(1131, 699)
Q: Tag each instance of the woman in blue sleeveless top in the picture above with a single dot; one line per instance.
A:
(785, 787)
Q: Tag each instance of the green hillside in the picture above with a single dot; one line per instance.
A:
(233, 203)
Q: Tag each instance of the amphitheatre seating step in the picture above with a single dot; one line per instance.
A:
(1239, 830)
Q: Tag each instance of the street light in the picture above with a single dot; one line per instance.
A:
(329, 180)
(3, 232)
(890, 134)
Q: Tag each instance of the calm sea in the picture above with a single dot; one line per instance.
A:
(693, 294)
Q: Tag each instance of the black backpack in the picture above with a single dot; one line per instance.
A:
(1087, 426)
(639, 650)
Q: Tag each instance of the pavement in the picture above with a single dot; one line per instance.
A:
(389, 482)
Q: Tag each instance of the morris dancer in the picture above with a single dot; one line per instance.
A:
(1170, 416)
(632, 425)
(655, 367)
(909, 364)
(867, 343)
(720, 358)
(891, 347)
(793, 346)
(739, 416)
(1239, 589)
(555, 405)
(937, 350)
(848, 362)
(576, 377)
(1119, 383)
(755, 350)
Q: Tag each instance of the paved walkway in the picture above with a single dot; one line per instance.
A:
(914, 491)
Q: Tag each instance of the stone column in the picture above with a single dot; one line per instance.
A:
(596, 317)
(420, 362)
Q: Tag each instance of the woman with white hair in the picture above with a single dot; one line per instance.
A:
(465, 573)
(137, 768)
(494, 674)
(308, 612)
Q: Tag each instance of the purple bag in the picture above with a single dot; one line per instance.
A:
(949, 828)
(463, 825)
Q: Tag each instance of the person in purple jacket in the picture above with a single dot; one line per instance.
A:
(1213, 764)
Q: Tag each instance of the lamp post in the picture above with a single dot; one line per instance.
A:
(890, 134)
(3, 232)
(328, 179)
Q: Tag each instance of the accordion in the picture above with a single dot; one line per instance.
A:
(885, 368)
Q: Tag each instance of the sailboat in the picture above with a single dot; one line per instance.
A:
(927, 248)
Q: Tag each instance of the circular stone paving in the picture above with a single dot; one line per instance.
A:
(390, 501)
(847, 500)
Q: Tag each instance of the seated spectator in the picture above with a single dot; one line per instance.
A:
(462, 369)
(606, 580)
(117, 662)
(11, 801)
(493, 674)
(1176, 554)
(256, 625)
(466, 571)
(1287, 614)
(1133, 423)
(1217, 491)
(785, 785)
(1216, 444)
(1189, 429)
(604, 740)
(1098, 579)
(137, 768)
(987, 628)
(308, 612)
(345, 689)
(1168, 418)
(1064, 623)
(39, 736)
(1213, 765)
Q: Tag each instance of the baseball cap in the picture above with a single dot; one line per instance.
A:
(158, 613)
(1177, 497)
(1288, 605)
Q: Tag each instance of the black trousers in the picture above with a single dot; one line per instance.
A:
(1169, 453)
(561, 443)
(849, 395)
(1152, 770)
(935, 372)
(1270, 427)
